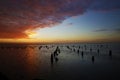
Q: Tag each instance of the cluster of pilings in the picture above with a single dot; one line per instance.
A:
(54, 55)
(83, 49)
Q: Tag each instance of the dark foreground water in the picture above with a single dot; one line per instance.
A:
(74, 62)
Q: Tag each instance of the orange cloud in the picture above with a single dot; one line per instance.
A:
(17, 16)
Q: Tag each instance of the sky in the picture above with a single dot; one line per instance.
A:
(59, 21)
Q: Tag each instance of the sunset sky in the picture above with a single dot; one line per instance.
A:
(59, 20)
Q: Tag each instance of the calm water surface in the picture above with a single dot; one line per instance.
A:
(74, 62)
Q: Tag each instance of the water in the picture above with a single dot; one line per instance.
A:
(74, 62)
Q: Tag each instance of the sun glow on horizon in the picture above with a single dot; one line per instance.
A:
(70, 30)
(31, 34)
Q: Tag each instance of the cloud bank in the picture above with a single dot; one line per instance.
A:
(17, 16)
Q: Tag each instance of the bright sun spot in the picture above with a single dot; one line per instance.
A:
(31, 34)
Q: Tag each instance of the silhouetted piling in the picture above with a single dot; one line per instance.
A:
(82, 54)
(40, 47)
(90, 49)
(51, 58)
(78, 51)
(57, 49)
(93, 59)
(98, 51)
(110, 52)
(74, 50)
(68, 47)
(55, 53)
(101, 46)
(47, 47)
(56, 59)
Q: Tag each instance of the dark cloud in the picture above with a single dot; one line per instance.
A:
(101, 30)
(17, 16)
(69, 24)
(116, 30)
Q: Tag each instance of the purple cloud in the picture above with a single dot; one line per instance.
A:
(17, 16)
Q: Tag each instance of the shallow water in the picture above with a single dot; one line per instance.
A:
(28, 62)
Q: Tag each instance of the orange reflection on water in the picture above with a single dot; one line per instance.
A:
(31, 61)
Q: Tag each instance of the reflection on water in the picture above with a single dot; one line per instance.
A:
(60, 62)
(31, 61)
(18, 62)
